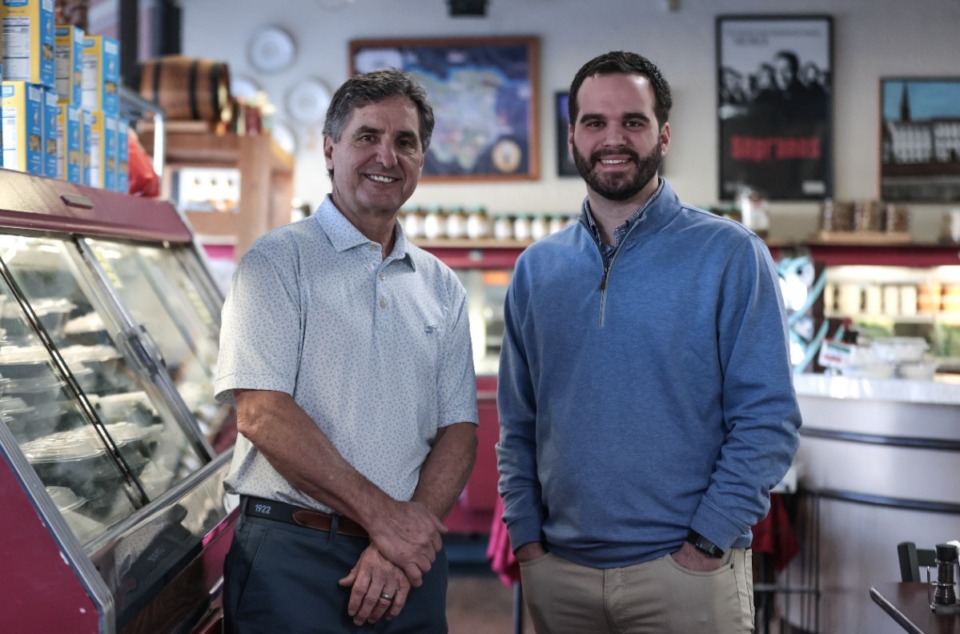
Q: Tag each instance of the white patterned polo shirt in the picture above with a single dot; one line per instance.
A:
(377, 352)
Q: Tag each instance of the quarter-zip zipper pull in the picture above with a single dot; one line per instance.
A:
(603, 280)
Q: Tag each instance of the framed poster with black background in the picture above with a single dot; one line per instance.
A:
(565, 164)
(484, 97)
(774, 105)
(920, 139)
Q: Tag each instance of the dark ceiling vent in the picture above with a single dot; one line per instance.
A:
(467, 8)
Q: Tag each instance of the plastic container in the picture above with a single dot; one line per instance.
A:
(900, 349)
(918, 371)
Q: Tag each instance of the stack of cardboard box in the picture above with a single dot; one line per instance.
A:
(61, 106)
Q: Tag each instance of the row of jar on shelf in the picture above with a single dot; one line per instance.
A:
(864, 216)
(891, 300)
(457, 223)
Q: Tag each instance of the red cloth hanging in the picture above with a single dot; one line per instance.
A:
(774, 535)
(499, 552)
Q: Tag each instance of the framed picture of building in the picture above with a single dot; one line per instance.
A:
(484, 96)
(774, 106)
(920, 139)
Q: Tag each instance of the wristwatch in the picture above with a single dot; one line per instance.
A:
(704, 545)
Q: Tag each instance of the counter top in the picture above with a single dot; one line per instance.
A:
(943, 390)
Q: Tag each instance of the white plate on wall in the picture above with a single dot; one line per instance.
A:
(307, 101)
(271, 49)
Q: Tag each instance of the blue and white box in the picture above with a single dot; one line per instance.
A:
(28, 44)
(22, 105)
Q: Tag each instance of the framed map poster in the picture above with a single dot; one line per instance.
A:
(484, 97)
(774, 106)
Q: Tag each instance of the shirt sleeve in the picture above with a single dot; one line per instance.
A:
(457, 381)
(516, 452)
(760, 410)
(260, 336)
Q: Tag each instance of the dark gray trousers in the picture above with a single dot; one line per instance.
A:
(283, 578)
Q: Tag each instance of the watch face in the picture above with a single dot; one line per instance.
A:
(707, 547)
(704, 545)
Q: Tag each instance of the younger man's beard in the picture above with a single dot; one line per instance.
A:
(619, 186)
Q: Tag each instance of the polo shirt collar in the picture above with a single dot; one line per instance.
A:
(343, 235)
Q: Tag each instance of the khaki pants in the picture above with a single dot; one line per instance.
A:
(655, 597)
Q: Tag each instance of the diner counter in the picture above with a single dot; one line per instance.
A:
(943, 390)
(882, 459)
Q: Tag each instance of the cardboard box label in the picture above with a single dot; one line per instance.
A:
(68, 41)
(28, 45)
(51, 168)
(101, 74)
(109, 152)
(93, 130)
(123, 156)
(22, 126)
(69, 142)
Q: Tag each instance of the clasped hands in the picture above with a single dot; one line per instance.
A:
(405, 540)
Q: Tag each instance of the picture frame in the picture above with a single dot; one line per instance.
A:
(920, 139)
(774, 106)
(565, 163)
(484, 93)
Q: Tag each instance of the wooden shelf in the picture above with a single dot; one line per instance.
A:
(865, 238)
(466, 243)
(266, 179)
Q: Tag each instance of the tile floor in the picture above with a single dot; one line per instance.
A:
(479, 603)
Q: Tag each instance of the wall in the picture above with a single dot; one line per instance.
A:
(872, 38)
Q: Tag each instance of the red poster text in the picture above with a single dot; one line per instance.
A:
(760, 149)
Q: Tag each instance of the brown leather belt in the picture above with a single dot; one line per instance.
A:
(290, 514)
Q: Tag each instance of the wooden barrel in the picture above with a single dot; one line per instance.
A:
(188, 88)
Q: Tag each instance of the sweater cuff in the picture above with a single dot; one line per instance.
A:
(715, 527)
(524, 531)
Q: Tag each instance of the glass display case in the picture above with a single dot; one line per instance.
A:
(485, 271)
(109, 432)
(176, 315)
(889, 291)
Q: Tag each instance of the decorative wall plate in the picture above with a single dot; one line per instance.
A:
(307, 101)
(271, 49)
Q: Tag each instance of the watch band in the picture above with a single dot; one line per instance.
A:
(704, 545)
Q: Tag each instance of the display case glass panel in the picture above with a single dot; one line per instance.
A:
(135, 425)
(486, 291)
(169, 304)
(81, 475)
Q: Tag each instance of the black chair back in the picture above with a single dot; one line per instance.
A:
(913, 559)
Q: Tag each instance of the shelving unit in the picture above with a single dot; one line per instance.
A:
(266, 181)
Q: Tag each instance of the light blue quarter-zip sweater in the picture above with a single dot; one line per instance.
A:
(642, 402)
